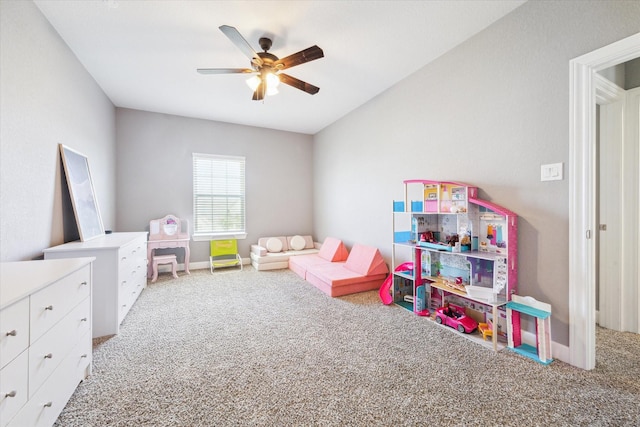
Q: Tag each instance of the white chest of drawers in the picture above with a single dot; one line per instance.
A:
(45, 337)
(120, 274)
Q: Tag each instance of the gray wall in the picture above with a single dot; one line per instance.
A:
(47, 97)
(154, 173)
(488, 113)
(632, 74)
(625, 75)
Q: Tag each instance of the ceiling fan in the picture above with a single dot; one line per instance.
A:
(266, 67)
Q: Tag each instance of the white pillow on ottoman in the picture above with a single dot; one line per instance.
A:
(297, 243)
(274, 245)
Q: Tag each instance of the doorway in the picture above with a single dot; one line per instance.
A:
(582, 194)
(617, 198)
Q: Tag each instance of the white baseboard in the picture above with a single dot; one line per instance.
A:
(202, 265)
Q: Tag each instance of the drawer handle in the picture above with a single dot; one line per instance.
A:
(84, 356)
(48, 404)
(48, 356)
(83, 283)
(12, 333)
(12, 393)
(84, 319)
(49, 307)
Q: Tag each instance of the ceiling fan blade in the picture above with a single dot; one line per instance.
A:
(298, 84)
(225, 70)
(237, 39)
(258, 95)
(309, 54)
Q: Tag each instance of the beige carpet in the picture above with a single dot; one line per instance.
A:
(267, 349)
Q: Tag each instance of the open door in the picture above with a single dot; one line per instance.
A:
(611, 101)
(618, 201)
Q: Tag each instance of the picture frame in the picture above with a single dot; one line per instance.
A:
(82, 192)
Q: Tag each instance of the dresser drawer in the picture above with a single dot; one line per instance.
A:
(81, 358)
(49, 305)
(49, 351)
(14, 336)
(13, 387)
(45, 405)
(126, 301)
(133, 255)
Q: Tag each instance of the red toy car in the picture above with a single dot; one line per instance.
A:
(454, 316)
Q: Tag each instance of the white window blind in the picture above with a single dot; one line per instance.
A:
(218, 195)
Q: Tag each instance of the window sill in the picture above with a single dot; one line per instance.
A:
(205, 237)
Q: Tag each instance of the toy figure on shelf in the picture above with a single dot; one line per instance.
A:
(447, 310)
(427, 236)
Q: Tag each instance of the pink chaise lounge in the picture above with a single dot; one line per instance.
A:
(364, 270)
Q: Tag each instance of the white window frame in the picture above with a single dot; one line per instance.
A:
(203, 187)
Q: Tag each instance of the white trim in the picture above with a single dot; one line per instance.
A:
(205, 237)
(200, 265)
(582, 194)
(607, 92)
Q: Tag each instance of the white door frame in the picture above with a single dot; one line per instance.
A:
(582, 206)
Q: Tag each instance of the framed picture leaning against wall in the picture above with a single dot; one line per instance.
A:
(83, 196)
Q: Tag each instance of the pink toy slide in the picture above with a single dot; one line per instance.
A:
(385, 289)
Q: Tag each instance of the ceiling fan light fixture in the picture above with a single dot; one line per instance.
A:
(272, 80)
(266, 65)
(253, 82)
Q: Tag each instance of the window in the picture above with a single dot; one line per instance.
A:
(218, 196)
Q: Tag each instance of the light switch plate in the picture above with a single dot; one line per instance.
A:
(551, 172)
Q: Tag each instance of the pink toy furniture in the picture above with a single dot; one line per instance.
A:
(541, 312)
(364, 270)
(164, 259)
(332, 250)
(167, 232)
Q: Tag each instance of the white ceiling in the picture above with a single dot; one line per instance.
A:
(144, 54)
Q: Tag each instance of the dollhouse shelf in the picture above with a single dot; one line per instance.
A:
(454, 239)
(541, 312)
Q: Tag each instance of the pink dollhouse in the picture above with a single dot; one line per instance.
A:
(464, 251)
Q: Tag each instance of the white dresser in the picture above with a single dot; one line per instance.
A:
(119, 274)
(45, 337)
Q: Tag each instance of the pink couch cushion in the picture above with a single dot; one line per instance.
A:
(333, 250)
(366, 261)
(335, 274)
(301, 263)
